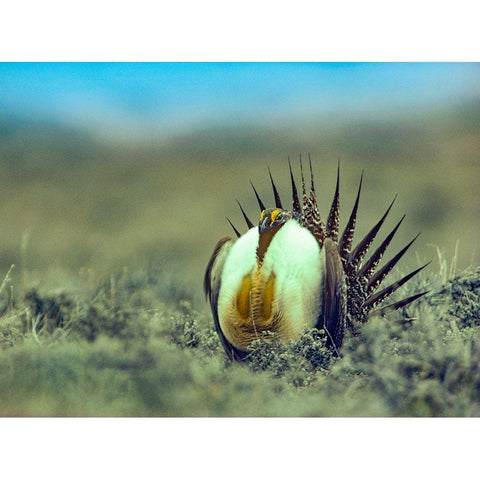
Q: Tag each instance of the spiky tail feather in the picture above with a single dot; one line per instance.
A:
(361, 279)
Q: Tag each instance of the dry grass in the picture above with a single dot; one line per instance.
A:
(136, 346)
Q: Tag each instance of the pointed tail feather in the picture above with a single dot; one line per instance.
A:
(399, 304)
(311, 216)
(361, 249)
(260, 203)
(306, 202)
(304, 193)
(367, 270)
(379, 297)
(345, 243)
(378, 278)
(334, 215)
(247, 220)
(278, 202)
(312, 183)
(297, 209)
(237, 233)
(313, 194)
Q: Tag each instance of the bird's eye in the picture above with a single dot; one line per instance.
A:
(262, 214)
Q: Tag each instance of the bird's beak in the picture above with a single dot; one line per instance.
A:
(264, 225)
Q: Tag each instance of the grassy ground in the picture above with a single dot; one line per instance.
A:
(103, 313)
(135, 346)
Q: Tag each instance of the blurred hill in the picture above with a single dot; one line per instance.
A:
(31, 141)
(70, 202)
(28, 142)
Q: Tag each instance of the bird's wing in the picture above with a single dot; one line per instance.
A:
(211, 286)
(334, 300)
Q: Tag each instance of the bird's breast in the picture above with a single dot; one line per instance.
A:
(280, 294)
(255, 297)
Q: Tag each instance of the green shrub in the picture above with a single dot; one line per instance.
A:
(136, 345)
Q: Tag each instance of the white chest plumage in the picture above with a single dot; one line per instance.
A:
(282, 293)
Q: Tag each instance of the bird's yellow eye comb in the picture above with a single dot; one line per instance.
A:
(274, 214)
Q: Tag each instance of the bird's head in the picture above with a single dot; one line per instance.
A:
(272, 219)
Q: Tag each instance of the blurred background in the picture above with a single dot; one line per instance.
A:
(108, 165)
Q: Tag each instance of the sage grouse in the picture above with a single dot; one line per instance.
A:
(292, 272)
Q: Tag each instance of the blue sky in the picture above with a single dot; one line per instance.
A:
(161, 99)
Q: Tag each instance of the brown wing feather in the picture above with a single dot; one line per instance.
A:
(211, 286)
(334, 300)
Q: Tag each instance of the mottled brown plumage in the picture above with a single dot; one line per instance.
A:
(334, 215)
(311, 218)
